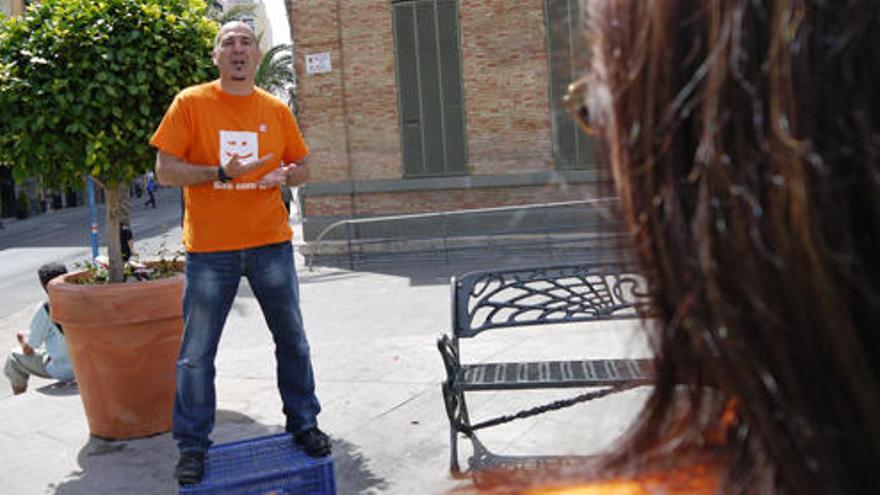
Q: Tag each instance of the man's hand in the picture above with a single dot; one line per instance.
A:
(22, 340)
(235, 167)
(286, 176)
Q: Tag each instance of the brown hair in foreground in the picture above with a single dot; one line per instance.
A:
(744, 138)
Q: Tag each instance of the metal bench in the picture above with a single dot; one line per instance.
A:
(489, 300)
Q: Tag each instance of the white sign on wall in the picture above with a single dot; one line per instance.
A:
(318, 63)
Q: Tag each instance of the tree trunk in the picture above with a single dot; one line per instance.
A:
(114, 250)
(124, 205)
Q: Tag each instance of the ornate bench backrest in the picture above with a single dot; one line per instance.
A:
(535, 296)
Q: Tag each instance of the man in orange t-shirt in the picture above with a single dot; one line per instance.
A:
(231, 145)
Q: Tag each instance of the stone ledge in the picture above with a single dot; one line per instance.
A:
(446, 183)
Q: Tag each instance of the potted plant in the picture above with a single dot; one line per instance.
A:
(123, 340)
(83, 84)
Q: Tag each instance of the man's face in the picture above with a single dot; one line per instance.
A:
(237, 54)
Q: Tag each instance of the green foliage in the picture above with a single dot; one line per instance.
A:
(84, 83)
(276, 73)
(97, 274)
(169, 264)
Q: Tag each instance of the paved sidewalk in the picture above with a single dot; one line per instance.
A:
(378, 376)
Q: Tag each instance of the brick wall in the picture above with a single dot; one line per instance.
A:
(371, 98)
(455, 199)
(505, 84)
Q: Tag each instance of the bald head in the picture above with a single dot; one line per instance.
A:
(237, 56)
(234, 26)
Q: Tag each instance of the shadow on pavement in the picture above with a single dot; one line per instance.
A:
(352, 474)
(59, 389)
(124, 466)
(144, 466)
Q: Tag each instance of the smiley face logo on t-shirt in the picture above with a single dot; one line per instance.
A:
(241, 143)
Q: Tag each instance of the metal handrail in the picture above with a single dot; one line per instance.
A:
(356, 221)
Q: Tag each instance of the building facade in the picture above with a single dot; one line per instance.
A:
(431, 105)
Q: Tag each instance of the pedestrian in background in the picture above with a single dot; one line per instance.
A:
(151, 190)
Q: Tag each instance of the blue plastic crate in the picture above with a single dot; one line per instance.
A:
(266, 465)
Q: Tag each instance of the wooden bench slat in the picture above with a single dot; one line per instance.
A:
(553, 374)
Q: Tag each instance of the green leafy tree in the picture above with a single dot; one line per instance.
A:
(275, 73)
(84, 83)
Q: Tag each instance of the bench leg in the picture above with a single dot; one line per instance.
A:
(453, 401)
(461, 427)
(464, 419)
(454, 468)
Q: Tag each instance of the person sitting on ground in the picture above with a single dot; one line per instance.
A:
(744, 142)
(42, 351)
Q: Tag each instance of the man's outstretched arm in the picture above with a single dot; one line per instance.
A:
(172, 171)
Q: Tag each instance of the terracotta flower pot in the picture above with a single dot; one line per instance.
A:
(123, 341)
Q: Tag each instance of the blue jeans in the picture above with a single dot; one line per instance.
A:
(211, 284)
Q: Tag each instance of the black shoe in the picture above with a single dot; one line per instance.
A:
(314, 442)
(190, 468)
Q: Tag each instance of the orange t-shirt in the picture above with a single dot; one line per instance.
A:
(204, 124)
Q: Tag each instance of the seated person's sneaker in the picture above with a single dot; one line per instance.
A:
(190, 468)
(314, 442)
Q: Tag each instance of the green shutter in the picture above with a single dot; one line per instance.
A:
(429, 82)
(450, 80)
(429, 87)
(572, 149)
(586, 146)
(408, 87)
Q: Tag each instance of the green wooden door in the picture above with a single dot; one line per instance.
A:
(572, 149)
(430, 97)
